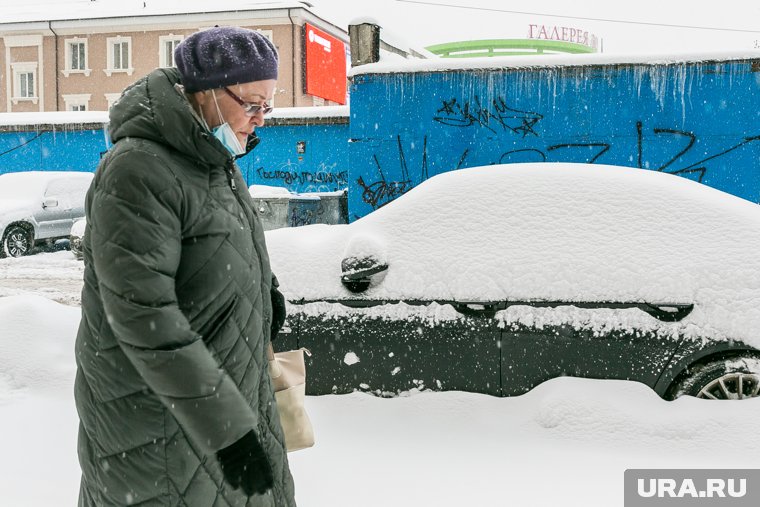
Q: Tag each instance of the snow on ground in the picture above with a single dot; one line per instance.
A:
(54, 275)
(567, 442)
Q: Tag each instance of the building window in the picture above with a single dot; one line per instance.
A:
(76, 57)
(26, 85)
(166, 46)
(119, 55)
(24, 82)
(78, 102)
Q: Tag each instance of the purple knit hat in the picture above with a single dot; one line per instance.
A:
(224, 56)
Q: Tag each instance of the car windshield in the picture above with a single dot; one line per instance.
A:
(20, 186)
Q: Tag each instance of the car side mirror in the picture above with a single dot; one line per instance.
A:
(358, 270)
(50, 203)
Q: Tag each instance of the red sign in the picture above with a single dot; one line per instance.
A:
(325, 65)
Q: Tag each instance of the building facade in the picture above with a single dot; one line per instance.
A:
(84, 64)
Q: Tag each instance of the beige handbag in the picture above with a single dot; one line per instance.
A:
(288, 372)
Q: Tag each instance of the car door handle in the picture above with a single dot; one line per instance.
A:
(477, 309)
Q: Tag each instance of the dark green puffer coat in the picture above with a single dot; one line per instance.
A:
(175, 314)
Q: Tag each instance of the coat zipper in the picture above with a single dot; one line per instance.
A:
(230, 170)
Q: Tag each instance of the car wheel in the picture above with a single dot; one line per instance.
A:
(17, 242)
(725, 379)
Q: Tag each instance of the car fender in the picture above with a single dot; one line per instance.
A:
(691, 352)
(20, 217)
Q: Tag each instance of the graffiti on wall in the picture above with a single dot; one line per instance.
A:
(324, 178)
(675, 146)
(492, 116)
(382, 191)
(694, 119)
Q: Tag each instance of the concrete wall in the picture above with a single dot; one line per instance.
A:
(698, 120)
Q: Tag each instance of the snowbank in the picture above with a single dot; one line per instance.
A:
(567, 442)
(36, 346)
(57, 276)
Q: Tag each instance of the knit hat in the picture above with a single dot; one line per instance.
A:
(224, 56)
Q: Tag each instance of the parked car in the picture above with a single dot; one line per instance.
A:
(496, 279)
(39, 206)
(76, 236)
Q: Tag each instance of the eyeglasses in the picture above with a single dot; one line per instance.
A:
(250, 108)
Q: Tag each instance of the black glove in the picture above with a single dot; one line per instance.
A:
(245, 465)
(278, 311)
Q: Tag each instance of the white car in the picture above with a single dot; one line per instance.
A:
(495, 279)
(39, 206)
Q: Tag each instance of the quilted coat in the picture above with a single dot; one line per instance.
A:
(175, 314)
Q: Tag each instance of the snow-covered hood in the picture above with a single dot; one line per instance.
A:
(546, 232)
(15, 209)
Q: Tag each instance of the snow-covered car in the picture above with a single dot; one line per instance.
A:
(495, 279)
(76, 236)
(39, 206)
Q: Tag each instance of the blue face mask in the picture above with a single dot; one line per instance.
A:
(225, 135)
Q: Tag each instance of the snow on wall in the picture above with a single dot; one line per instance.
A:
(545, 61)
(310, 112)
(695, 116)
(71, 118)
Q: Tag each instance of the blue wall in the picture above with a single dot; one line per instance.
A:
(61, 150)
(698, 120)
(322, 167)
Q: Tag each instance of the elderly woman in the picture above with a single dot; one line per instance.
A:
(173, 391)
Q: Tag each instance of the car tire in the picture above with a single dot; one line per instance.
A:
(733, 378)
(17, 242)
(75, 245)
